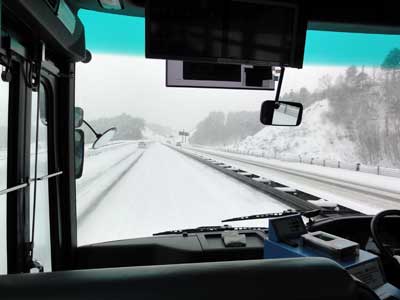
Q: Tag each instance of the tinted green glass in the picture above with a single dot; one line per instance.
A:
(108, 33)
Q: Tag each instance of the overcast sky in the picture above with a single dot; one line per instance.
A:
(112, 84)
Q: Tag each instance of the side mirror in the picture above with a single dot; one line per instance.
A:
(281, 113)
(104, 138)
(79, 152)
(78, 117)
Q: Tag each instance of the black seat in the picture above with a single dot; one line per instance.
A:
(301, 278)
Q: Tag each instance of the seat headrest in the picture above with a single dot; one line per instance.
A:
(300, 278)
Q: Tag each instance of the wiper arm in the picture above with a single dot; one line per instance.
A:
(207, 229)
(192, 230)
(307, 214)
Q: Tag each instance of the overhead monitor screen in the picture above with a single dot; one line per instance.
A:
(254, 32)
(217, 75)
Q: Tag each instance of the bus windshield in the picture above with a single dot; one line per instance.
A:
(142, 181)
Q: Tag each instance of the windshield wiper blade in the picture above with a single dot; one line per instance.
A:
(197, 229)
(308, 214)
(262, 216)
(289, 212)
(207, 229)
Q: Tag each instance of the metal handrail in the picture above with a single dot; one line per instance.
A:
(14, 188)
(26, 184)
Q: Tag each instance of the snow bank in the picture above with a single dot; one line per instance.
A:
(102, 167)
(367, 193)
(317, 137)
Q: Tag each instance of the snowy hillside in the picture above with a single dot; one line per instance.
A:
(316, 137)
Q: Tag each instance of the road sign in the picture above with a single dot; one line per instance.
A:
(184, 133)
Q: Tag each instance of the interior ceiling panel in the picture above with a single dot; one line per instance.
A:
(339, 15)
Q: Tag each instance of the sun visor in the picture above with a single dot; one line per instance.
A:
(56, 23)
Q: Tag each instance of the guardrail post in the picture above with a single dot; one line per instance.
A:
(358, 166)
(338, 164)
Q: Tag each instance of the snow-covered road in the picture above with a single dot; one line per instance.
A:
(166, 190)
(298, 176)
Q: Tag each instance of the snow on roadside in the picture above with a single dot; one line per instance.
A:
(384, 183)
(99, 160)
(352, 199)
(316, 137)
(100, 166)
(90, 195)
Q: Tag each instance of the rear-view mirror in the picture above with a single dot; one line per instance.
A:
(104, 138)
(79, 152)
(78, 117)
(281, 113)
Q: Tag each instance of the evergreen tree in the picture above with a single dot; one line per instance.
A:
(392, 60)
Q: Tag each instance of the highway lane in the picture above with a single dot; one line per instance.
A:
(362, 201)
(167, 190)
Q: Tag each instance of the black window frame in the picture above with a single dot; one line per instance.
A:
(46, 87)
(61, 204)
(58, 77)
(18, 155)
(3, 64)
(19, 45)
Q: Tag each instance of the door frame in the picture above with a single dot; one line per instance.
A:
(62, 207)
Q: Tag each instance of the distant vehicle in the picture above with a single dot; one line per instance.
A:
(142, 145)
(178, 144)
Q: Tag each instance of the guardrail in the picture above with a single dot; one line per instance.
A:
(358, 167)
(385, 190)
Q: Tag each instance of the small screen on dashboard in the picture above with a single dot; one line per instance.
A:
(288, 227)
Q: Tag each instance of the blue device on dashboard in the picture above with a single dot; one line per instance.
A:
(288, 237)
